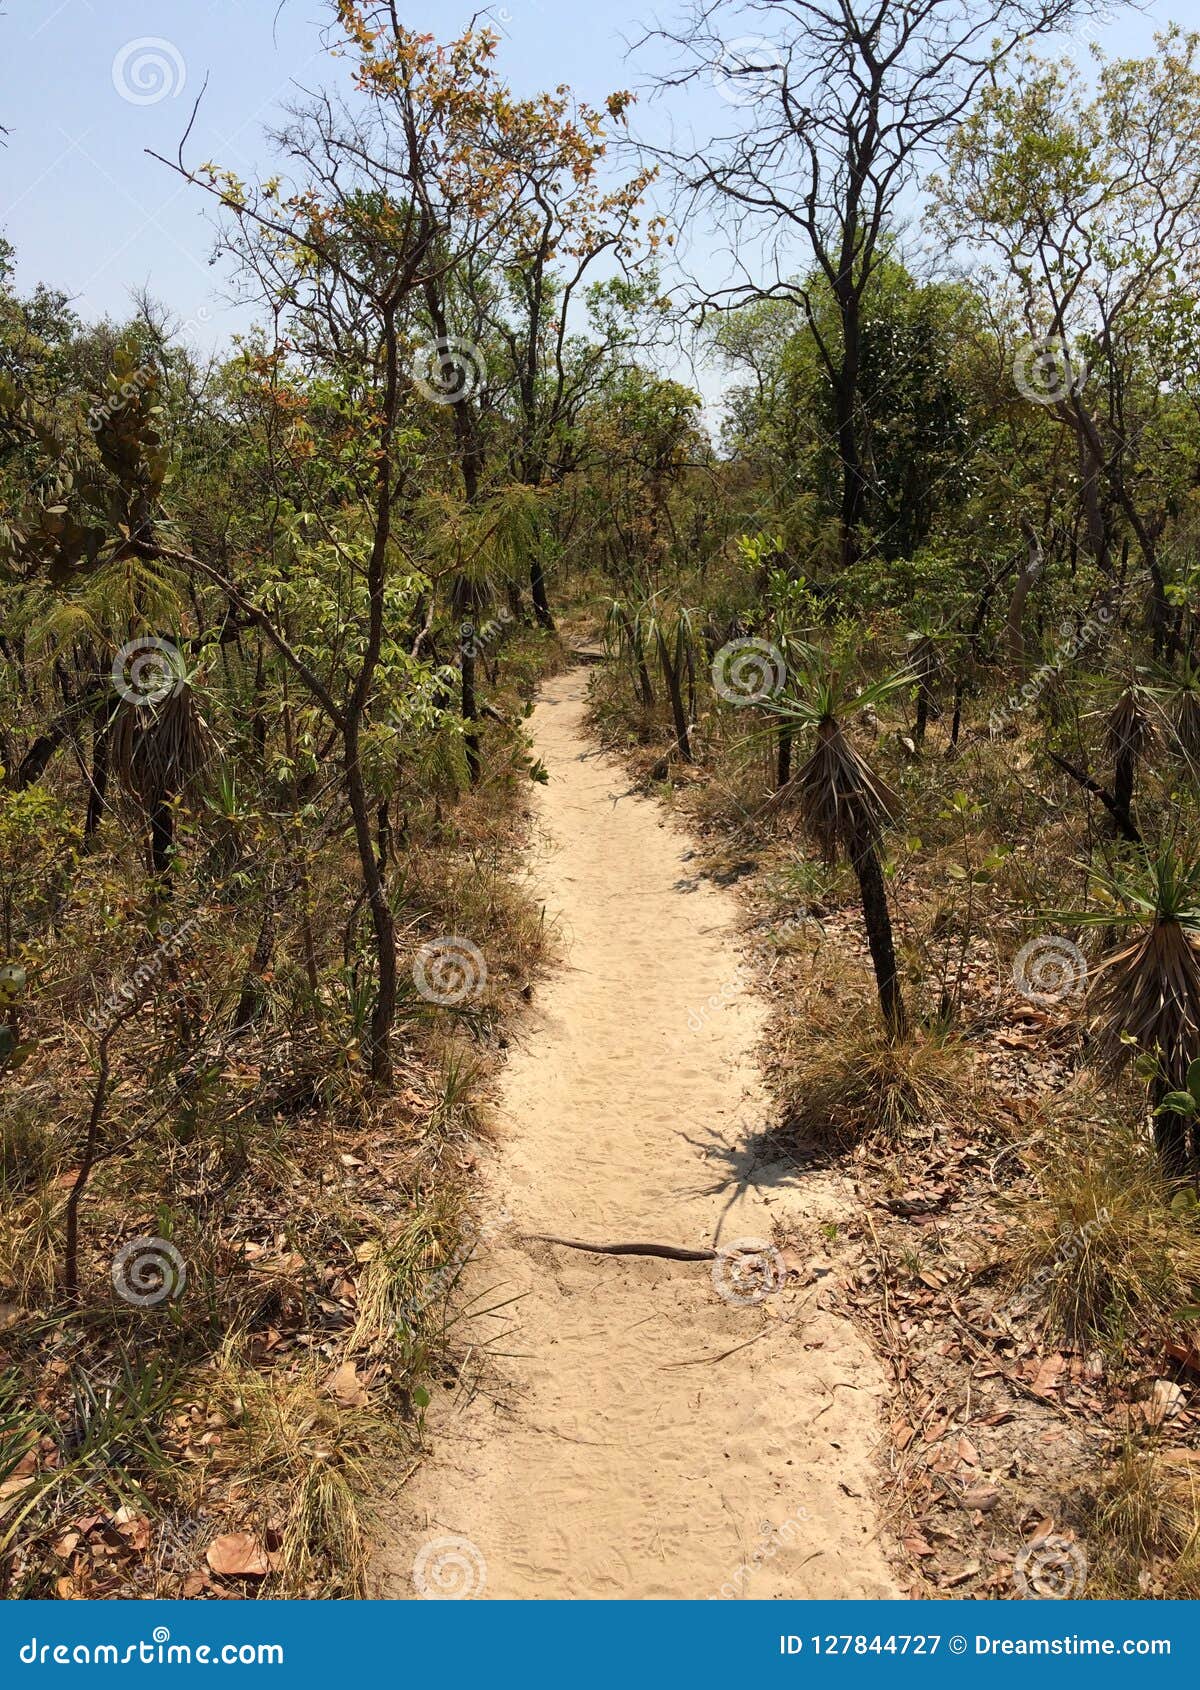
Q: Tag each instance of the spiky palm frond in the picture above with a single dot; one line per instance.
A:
(158, 750)
(1145, 995)
(844, 806)
(1128, 727)
(1178, 697)
(841, 801)
(818, 692)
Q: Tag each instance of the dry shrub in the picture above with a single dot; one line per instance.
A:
(1102, 1248)
(856, 1083)
(1141, 1521)
(312, 1468)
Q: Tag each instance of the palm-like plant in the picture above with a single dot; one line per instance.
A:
(669, 632)
(159, 748)
(925, 661)
(1145, 997)
(623, 638)
(479, 542)
(1178, 697)
(1128, 734)
(845, 807)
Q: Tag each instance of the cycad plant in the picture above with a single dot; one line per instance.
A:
(1128, 734)
(925, 662)
(159, 748)
(667, 632)
(845, 807)
(1145, 997)
(1177, 694)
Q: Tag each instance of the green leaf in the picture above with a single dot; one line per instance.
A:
(420, 1396)
(1177, 1103)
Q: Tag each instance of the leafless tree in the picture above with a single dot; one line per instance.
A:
(836, 106)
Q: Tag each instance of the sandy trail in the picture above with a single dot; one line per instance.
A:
(602, 1443)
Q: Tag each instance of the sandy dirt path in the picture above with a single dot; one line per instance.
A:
(603, 1442)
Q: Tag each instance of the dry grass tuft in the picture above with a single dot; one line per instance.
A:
(312, 1468)
(857, 1084)
(1102, 1248)
(1142, 1523)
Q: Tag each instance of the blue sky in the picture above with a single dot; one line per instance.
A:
(89, 84)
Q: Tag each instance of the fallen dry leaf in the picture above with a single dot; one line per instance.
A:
(240, 1555)
(346, 1388)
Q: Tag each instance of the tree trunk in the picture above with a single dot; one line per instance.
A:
(675, 693)
(162, 837)
(1015, 627)
(91, 1146)
(101, 731)
(537, 591)
(1123, 774)
(384, 1011)
(878, 921)
(250, 996)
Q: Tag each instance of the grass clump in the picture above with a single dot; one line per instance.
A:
(861, 1084)
(1142, 1523)
(1103, 1247)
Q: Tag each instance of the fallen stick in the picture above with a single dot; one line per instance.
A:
(670, 1251)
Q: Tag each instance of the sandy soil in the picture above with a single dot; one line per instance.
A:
(636, 1426)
